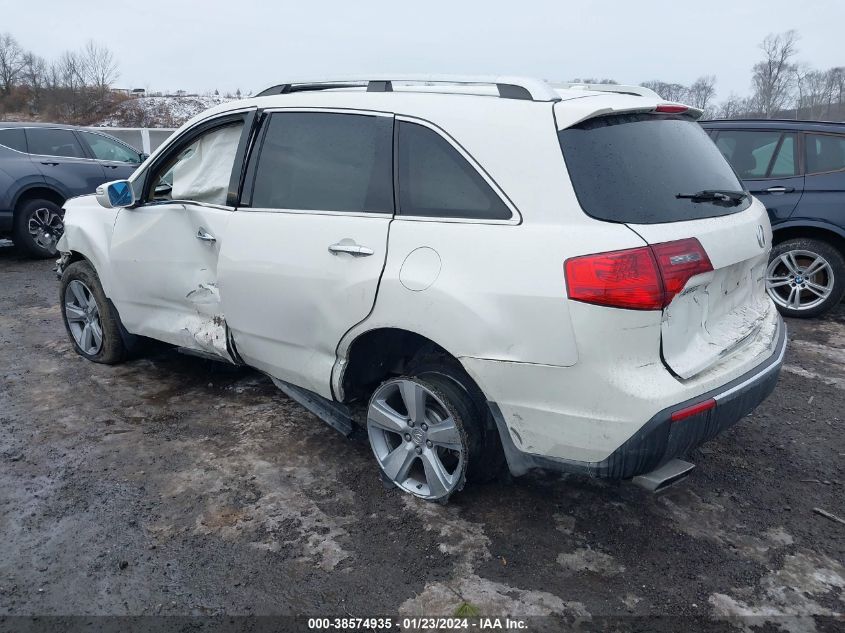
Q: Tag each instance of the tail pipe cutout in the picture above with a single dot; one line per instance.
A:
(668, 474)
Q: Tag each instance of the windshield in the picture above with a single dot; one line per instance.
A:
(631, 168)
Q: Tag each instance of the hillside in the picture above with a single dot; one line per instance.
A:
(159, 111)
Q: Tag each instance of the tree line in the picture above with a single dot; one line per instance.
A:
(76, 87)
(781, 87)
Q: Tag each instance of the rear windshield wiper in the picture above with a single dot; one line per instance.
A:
(723, 196)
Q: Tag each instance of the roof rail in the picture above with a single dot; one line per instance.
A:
(508, 87)
(637, 91)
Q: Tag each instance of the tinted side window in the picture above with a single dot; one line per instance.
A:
(825, 152)
(749, 152)
(13, 139)
(436, 181)
(51, 142)
(104, 148)
(326, 162)
(785, 163)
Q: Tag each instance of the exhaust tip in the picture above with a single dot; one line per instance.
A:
(662, 478)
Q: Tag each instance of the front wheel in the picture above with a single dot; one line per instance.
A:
(38, 227)
(805, 277)
(88, 316)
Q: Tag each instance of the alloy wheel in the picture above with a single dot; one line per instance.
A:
(83, 317)
(416, 439)
(799, 279)
(45, 226)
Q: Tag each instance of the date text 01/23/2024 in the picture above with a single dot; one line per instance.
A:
(416, 623)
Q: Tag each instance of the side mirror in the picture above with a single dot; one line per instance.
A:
(115, 194)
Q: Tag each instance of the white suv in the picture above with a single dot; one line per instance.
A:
(494, 270)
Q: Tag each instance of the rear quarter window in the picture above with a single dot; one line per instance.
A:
(13, 138)
(630, 168)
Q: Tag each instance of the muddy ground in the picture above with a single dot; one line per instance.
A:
(173, 485)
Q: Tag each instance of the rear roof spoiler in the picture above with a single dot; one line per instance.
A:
(637, 91)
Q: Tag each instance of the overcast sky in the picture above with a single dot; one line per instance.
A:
(250, 44)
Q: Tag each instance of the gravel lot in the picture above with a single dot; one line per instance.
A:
(173, 485)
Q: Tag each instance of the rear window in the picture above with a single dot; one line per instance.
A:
(630, 168)
(53, 142)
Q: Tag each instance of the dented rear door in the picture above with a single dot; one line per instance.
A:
(305, 251)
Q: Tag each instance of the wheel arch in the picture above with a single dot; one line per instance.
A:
(830, 233)
(37, 192)
(377, 354)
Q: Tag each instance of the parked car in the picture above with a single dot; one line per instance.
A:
(797, 169)
(41, 166)
(570, 280)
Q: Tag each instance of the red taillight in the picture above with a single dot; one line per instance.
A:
(678, 261)
(623, 279)
(688, 412)
(645, 278)
(671, 108)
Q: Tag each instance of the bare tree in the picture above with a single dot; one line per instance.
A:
(592, 80)
(668, 91)
(702, 92)
(774, 77)
(11, 62)
(34, 77)
(815, 92)
(98, 67)
(733, 107)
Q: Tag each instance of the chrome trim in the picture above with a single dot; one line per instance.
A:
(769, 368)
(351, 214)
(356, 250)
(360, 112)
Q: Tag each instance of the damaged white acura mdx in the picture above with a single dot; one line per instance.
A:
(476, 271)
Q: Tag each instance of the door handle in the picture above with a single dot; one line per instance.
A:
(778, 190)
(205, 236)
(112, 166)
(353, 249)
(48, 162)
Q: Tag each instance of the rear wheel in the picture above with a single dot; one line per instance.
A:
(805, 277)
(88, 317)
(38, 227)
(430, 430)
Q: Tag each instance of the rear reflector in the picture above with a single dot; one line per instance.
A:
(645, 278)
(688, 412)
(670, 108)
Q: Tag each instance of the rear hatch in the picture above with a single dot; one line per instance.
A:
(662, 176)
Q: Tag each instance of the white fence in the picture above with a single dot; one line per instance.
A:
(144, 139)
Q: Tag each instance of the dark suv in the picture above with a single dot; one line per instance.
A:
(41, 166)
(797, 169)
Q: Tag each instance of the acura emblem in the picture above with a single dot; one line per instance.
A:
(761, 236)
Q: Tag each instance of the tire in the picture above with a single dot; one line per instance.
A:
(491, 457)
(804, 296)
(84, 305)
(38, 225)
(434, 460)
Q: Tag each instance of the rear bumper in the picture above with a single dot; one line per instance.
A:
(660, 439)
